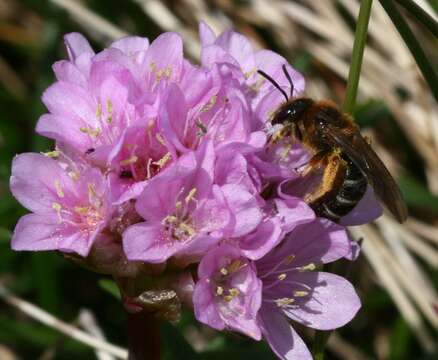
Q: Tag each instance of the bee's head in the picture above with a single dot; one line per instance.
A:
(292, 111)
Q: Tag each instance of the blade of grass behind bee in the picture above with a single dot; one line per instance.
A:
(422, 16)
(414, 47)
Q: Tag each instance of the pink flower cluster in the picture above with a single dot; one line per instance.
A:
(164, 164)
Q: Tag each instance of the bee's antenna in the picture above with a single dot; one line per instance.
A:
(273, 82)
(289, 79)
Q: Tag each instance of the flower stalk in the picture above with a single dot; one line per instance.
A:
(357, 56)
(143, 336)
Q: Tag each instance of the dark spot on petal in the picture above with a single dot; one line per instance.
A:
(89, 151)
(126, 174)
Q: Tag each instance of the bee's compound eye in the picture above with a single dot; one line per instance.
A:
(282, 116)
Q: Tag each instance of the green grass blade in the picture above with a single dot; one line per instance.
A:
(422, 16)
(411, 42)
(357, 56)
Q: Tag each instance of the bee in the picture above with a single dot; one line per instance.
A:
(342, 156)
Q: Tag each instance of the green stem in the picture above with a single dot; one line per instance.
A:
(357, 56)
(422, 16)
(321, 338)
(416, 50)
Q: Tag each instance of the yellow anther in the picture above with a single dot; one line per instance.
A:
(129, 161)
(281, 277)
(301, 293)
(93, 197)
(109, 109)
(82, 210)
(191, 195)
(153, 66)
(289, 259)
(235, 266)
(234, 292)
(248, 74)
(256, 87)
(170, 219)
(164, 72)
(109, 106)
(91, 190)
(52, 154)
(210, 104)
(74, 175)
(219, 290)
(160, 139)
(285, 151)
(284, 302)
(228, 298)
(89, 131)
(168, 72)
(56, 206)
(99, 110)
(308, 267)
(187, 229)
(224, 271)
(163, 160)
(178, 205)
(58, 188)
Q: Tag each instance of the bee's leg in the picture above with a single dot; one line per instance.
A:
(332, 179)
(315, 163)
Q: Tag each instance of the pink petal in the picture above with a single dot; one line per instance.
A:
(66, 71)
(173, 117)
(166, 51)
(258, 243)
(206, 34)
(70, 100)
(35, 233)
(204, 305)
(281, 336)
(320, 241)
(244, 206)
(147, 243)
(43, 232)
(368, 209)
(239, 48)
(33, 182)
(293, 212)
(332, 302)
(77, 45)
(131, 44)
(57, 128)
(271, 63)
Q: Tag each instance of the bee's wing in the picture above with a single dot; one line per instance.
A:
(378, 176)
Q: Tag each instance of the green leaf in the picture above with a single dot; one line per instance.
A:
(422, 16)
(400, 339)
(5, 236)
(110, 287)
(414, 46)
(417, 195)
(175, 345)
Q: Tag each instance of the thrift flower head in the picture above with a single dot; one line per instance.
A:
(166, 169)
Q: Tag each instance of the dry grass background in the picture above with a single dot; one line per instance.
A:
(401, 257)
